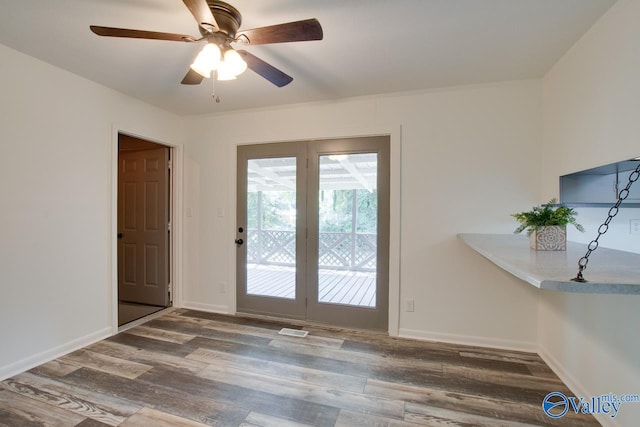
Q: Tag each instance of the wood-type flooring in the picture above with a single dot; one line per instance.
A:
(190, 368)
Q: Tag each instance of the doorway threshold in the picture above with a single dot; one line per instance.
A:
(139, 321)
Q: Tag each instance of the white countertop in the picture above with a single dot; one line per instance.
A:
(609, 271)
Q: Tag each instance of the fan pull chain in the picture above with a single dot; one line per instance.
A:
(214, 79)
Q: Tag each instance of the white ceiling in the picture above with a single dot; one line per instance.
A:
(369, 47)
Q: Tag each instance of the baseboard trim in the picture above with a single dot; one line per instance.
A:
(573, 383)
(501, 344)
(48, 355)
(211, 308)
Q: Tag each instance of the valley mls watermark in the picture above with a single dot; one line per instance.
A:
(556, 404)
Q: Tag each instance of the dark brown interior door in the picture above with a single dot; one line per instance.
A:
(143, 225)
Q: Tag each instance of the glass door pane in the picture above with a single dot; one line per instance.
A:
(347, 229)
(271, 227)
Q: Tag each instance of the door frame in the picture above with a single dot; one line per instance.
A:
(176, 203)
(395, 214)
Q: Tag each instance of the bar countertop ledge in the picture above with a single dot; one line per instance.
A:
(609, 271)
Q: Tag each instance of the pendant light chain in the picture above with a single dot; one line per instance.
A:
(622, 195)
(214, 79)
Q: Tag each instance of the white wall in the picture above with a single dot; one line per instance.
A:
(470, 157)
(55, 188)
(591, 108)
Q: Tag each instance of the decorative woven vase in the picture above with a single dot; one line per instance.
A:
(549, 238)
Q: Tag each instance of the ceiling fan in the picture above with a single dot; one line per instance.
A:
(218, 23)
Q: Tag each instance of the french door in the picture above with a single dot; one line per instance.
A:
(312, 231)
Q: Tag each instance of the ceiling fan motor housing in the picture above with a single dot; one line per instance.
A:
(227, 17)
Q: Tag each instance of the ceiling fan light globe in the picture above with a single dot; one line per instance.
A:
(234, 62)
(224, 73)
(207, 60)
(203, 72)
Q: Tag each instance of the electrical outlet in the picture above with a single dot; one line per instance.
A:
(409, 305)
(222, 287)
(635, 226)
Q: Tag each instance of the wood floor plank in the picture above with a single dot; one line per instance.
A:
(65, 401)
(91, 423)
(451, 357)
(113, 407)
(351, 366)
(374, 361)
(371, 365)
(288, 389)
(310, 339)
(505, 378)
(150, 417)
(273, 354)
(196, 330)
(263, 420)
(15, 410)
(474, 404)
(238, 320)
(434, 416)
(147, 357)
(184, 402)
(151, 344)
(159, 334)
(503, 355)
(108, 364)
(294, 409)
(350, 419)
(542, 371)
(316, 340)
(57, 368)
(281, 370)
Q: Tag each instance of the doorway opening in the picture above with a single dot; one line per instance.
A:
(144, 216)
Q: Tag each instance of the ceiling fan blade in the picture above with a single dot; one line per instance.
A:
(192, 78)
(299, 31)
(200, 10)
(140, 34)
(266, 70)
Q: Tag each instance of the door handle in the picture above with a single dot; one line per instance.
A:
(119, 235)
(239, 242)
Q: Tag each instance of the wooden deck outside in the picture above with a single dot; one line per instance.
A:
(336, 286)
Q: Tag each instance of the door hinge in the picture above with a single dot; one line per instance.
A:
(307, 163)
(170, 164)
(169, 226)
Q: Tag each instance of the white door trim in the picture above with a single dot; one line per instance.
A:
(177, 170)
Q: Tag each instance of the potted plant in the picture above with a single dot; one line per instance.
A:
(546, 226)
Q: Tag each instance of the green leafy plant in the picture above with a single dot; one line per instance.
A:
(546, 215)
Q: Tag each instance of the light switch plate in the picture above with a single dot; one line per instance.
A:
(409, 305)
(635, 226)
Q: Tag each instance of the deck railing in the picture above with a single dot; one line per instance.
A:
(339, 251)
